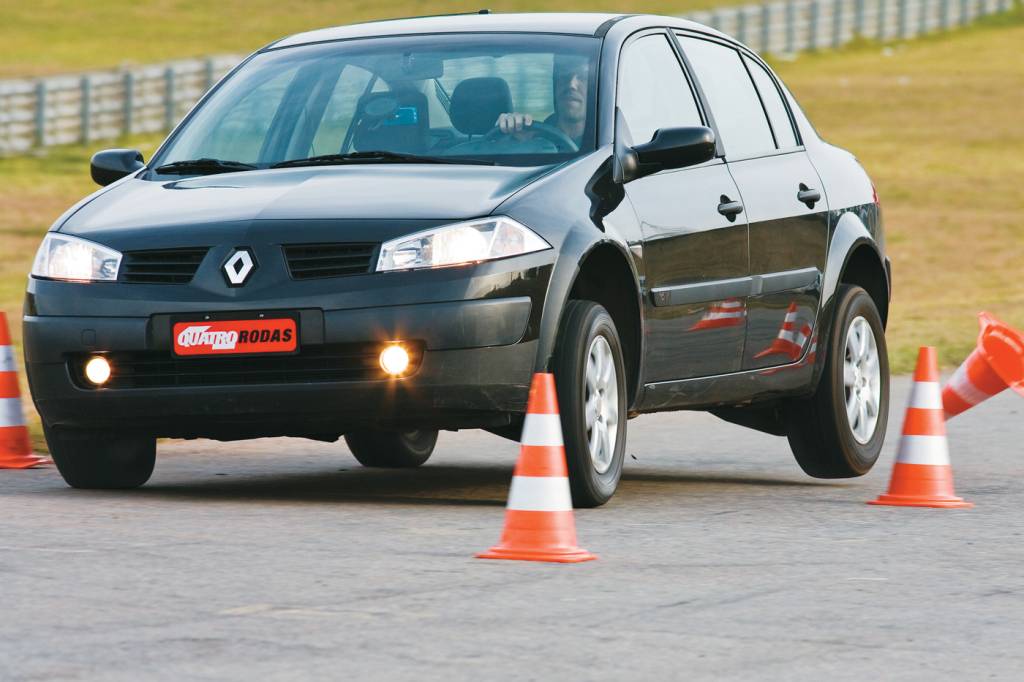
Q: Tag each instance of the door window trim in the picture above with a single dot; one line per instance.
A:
(702, 110)
(677, 33)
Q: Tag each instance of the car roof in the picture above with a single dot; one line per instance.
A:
(578, 23)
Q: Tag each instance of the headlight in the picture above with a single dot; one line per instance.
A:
(74, 259)
(469, 242)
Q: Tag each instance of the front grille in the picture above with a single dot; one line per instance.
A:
(312, 261)
(314, 364)
(161, 266)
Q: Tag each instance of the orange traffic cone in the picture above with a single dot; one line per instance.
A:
(791, 338)
(539, 524)
(728, 313)
(15, 449)
(997, 363)
(922, 475)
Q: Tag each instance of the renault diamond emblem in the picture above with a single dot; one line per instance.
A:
(239, 266)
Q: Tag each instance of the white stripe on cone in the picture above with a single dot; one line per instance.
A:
(926, 395)
(960, 383)
(542, 429)
(7, 359)
(10, 412)
(540, 493)
(931, 450)
(717, 315)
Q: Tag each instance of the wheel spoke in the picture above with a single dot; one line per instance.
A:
(590, 411)
(591, 374)
(607, 369)
(851, 346)
(603, 447)
(872, 404)
(849, 374)
(851, 409)
(611, 411)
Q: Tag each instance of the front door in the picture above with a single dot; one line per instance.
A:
(695, 234)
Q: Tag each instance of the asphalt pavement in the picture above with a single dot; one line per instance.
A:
(719, 559)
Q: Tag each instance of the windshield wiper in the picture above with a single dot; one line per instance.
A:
(376, 157)
(203, 167)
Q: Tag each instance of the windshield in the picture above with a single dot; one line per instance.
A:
(509, 99)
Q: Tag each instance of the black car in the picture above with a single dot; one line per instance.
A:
(383, 230)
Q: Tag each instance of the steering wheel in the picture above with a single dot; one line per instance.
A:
(562, 142)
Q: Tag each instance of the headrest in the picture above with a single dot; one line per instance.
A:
(477, 103)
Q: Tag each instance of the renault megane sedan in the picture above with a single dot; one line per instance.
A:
(381, 231)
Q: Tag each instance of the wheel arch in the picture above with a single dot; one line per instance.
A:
(604, 273)
(854, 257)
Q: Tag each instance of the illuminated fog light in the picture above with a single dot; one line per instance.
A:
(394, 360)
(97, 370)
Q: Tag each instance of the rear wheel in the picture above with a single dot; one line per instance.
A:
(101, 459)
(838, 432)
(391, 449)
(591, 383)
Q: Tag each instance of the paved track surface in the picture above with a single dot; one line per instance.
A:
(283, 559)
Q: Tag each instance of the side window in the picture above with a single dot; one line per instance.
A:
(653, 91)
(778, 115)
(731, 96)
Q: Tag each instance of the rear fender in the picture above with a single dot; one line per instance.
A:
(850, 234)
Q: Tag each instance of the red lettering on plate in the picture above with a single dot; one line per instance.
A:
(234, 337)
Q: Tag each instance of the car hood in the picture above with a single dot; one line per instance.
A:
(363, 192)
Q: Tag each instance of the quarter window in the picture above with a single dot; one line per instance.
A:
(653, 91)
(730, 92)
(778, 115)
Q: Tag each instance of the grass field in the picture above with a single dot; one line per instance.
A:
(936, 122)
(78, 36)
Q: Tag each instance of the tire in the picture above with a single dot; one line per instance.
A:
(101, 460)
(391, 449)
(593, 480)
(821, 433)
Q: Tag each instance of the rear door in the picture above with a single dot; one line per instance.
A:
(782, 196)
(695, 254)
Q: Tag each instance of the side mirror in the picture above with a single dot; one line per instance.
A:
(675, 148)
(111, 165)
(670, 148)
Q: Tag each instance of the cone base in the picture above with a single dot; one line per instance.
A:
(921, 501)
(24, 462)
(567, 556)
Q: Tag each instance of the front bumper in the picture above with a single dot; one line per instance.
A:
(477, 358)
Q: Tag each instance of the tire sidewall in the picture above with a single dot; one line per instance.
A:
(855, 302)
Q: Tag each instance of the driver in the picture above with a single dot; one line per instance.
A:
(570, 77)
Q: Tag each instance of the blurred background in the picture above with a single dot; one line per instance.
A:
(929, 94)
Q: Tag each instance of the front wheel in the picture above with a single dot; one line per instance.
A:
(101, 459)
(591, 384)
(391, 449)
(838, 432)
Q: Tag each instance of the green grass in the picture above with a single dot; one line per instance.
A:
(936, 122)
(938, 125)
(55, 36)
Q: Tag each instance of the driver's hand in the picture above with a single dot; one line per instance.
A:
(513, 123)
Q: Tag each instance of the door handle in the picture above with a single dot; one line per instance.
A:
(808, 196)
(729, 208)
